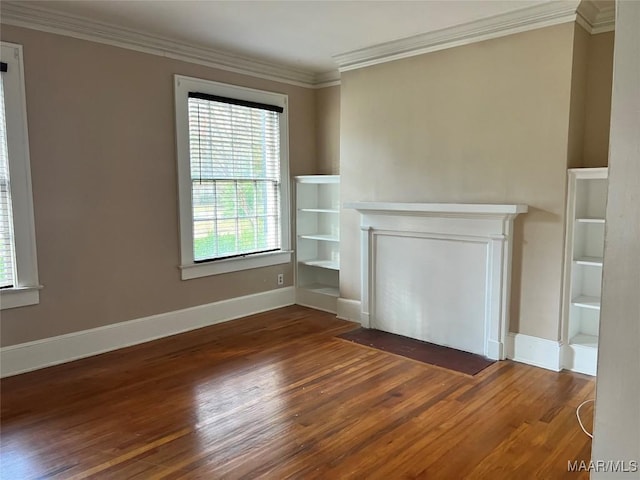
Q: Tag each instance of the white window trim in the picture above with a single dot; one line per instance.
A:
(26, 291)
(190, 269)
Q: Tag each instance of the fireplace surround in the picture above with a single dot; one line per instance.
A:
(438, 272)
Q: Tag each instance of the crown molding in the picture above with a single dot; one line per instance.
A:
(44, 19)
(594, 20)
(589, 14)
(596, 17)
(327, 79)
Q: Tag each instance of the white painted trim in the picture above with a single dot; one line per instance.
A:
(587, 14)
(580, 358)
(538, 16)
(22, 14)
(318, 179)
(589, 173)
(518, 347)
(333, 80)
(535, 351)
(197, 270)
(24, 237)
(437, 209)
(315, 300)
(577, 358)
(349, 309)
(19, 297)
(65, 348)
(596, 18)
(182, 86)
(488, 224)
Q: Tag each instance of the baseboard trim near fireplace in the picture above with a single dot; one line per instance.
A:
(535, 351)
(349, 310)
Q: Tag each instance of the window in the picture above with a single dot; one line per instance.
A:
(233, 177)
(18, 267)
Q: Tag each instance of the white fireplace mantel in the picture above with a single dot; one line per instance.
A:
(439, 272)
(432, 209)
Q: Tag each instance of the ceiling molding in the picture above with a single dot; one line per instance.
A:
(595, 17)
(525, 19)
(46, 20)
(327, 79)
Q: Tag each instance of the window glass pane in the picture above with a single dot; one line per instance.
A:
(226, 199)
(235, 175)
(7, 247)
(246, 199)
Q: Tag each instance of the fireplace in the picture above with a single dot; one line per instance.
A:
(438, 272)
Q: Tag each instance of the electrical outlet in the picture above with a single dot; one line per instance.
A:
(281, 279)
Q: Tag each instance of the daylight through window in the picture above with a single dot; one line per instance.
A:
(19, 284)
(235, 175)
(7, 252)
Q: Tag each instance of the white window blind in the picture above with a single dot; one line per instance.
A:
(234, 150)
(7, 250)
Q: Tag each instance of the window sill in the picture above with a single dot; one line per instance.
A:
(19, 297)
(197, 270)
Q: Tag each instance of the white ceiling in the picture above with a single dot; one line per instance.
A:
(300, 34)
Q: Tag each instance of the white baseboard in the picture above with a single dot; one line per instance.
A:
(318, 301)
(495, 350)
(65, 348)
(518, 347)
(535, 351)
(349, 310)
(581, 359)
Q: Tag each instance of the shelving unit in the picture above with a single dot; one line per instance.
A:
(586, 205)
(318, 241)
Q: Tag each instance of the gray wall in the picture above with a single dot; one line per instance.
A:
(328, 130)
(484, 123)
(102, 137)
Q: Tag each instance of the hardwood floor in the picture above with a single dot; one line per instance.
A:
(275, 395)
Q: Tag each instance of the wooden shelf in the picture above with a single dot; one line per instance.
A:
(328, 264)
(585, 301)
(320, 236)
(591, 261)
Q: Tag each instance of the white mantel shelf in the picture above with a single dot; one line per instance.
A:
(463, 209)
(438, 272)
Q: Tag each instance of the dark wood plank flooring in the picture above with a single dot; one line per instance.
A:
(276, 396)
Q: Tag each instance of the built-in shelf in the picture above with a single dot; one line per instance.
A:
(321, 289)
(329, 264)
(319, 210)
(584, 340)
(318, 241)
(590, 220)
(321, 237)
(585, 301)
(318, 179)
(590, 261)
(586, 208)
